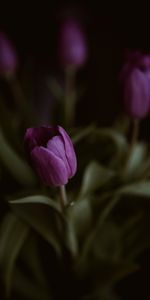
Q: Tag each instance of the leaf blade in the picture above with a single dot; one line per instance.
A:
(13, 235)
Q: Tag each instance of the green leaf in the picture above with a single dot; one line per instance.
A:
(145, 169)
(122, 124)
(12, 237)
(31, 257)
(95, 176)
(38, 199)
(18, 168)
(136, 189)
(6, 115)
(56, 88)
(107, 245)
(135, 160)
(28, 289)
(120, 270)
(108, 209)
(82, 133)
(117, 138)
(94, 235)
(71, 239)
(80, 215)
(43, 216)
(100, 293)
(103, 243)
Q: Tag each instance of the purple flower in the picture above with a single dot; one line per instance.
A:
(137, 94)
(51, 154)
(135, 78)
(72, 44)
(8, 56)
(134, 59)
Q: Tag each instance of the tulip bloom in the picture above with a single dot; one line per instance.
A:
(137, 94)
(8, 56)
(134, 59)
(51, 154)
(72, 44)
(135, 77)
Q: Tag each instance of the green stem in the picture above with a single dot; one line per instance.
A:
(63, 197)
(70, 96)
(135, 133)
(134, 140)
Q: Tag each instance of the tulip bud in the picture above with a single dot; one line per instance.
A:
(137, 94)
(51, 154)
(135, 78)
(8, 56)
(135, 59)
(72, 44)
(144, 62)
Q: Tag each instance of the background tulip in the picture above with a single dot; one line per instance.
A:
(51, 154)
(137, 94)
(135, 78)
(8, 56)
(72, 44)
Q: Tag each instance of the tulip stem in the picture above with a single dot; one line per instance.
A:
(133, 142)
(70, 96)
(135, 133)
(63, 197)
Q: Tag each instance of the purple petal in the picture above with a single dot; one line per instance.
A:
(73, 49)
(137, 94)
(38, 136)
(56, 146)
(144, 62)
(69, 150)
(134, 59)
(8, 55)
(50, 168)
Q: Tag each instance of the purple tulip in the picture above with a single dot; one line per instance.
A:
(51, 154)
(135, 77)
(134, 59)
(137, 94)
(72, 44)
(8, 56)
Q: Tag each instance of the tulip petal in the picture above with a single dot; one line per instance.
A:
(72, 44)
(8, 55)
(38, 136)
(69, 150)
(137, 94)
(49, 167)
(56, 146)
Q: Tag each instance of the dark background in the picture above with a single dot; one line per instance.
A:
(110, 28)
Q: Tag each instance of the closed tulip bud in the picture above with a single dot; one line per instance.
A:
(72, 44)
(134, 59)
(8, 56)
(51, 154)
(137, 94)
(144, 62)
(135, 78)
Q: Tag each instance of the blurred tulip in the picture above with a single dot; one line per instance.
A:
(8, 56)
(51, 154)
(72, 44)
(135, 77)
(137, 94)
